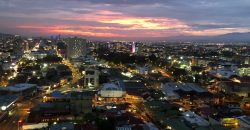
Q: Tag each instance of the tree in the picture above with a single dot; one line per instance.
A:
(19, 79)
(52, 74)
(105, 124)
(33, 80)
(65, 73)
(1, 70)
(179, 72)
(62, 68)
(152, 57)
(103, 79)
(51, 59)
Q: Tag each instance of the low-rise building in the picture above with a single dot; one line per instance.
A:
(244, 122)
(170, 89)
(21, 90)
(144, 70)
(81, 102)
(244, 70)
(194, 120)
(49, 112)
(56, 96)
(239, 86)
(91, 79)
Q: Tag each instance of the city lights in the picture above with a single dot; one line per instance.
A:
(128, 64)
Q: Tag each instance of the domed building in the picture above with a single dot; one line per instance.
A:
(111, 90)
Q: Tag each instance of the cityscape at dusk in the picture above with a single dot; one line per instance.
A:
(124, 65)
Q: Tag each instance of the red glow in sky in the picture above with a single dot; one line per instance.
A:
(121, 19)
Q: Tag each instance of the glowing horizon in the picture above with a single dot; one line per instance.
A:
(109, 19)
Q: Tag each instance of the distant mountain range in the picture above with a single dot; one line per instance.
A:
(230, 37)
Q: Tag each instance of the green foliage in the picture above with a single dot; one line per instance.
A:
(52, 74)
(118, 57)
(18, 79)
(102, 124)
(51, 59)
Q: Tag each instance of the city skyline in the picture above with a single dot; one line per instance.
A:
(149, 19)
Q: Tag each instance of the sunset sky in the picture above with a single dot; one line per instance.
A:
(121, 19)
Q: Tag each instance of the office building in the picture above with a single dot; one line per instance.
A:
(62, 49)
(91, 79)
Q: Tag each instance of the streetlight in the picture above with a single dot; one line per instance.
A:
(18, 124)
(45, 65)
(34, 72)
(3, 108)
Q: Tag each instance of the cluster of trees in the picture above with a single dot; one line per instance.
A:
(55, 74)
(103, 124)
(50, 59)
(1, 70)
(180, 74)
(228, 54)
(124, 58)
(27, 68)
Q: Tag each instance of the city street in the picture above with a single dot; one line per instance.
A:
(19, 113)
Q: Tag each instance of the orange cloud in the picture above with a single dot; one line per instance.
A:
(149, 23)
(67, 30)
(86, 33)
(153, 23)
(116, 24)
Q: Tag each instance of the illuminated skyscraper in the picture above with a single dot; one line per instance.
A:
(133, 48)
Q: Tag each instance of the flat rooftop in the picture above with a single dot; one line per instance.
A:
(186, 87)
(19, 87)
(193, 118)
(245, 119)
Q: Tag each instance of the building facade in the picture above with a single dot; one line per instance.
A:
(91, 79)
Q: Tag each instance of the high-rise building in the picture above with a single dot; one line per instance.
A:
(76, 47)
(133, 48)
(16, 45)
(62, 49)
(26, 46)
(139, 48)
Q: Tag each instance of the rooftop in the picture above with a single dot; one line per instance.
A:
(193, 118)
(82, 95)
(19, 87)
(62, 126)
(186, 87)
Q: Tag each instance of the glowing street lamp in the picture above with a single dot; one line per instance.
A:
(3, 108)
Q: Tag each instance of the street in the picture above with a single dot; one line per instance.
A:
(19, 113)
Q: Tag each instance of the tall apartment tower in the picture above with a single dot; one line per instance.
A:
(76, 47)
